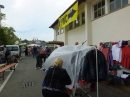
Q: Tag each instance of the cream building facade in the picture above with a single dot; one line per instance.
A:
(98, 21)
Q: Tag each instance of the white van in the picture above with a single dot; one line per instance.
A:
(15, 50)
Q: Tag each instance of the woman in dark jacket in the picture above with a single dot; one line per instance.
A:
(55, 80)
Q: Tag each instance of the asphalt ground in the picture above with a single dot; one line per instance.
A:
(25, 73)
(26, 81)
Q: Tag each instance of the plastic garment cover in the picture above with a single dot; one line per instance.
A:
(73, 57)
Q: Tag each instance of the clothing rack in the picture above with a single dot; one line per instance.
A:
(86, 93)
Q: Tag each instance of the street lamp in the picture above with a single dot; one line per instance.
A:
(1, 6)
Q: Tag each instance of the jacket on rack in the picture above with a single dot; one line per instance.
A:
(88, 71)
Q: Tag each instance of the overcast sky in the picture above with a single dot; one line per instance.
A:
(32, 18)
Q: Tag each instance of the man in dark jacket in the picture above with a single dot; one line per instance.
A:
(39, 58)
(7, 56)
(34, 51)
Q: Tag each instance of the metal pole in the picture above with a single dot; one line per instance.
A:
(97, 72)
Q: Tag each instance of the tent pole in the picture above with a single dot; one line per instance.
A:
(97, 72)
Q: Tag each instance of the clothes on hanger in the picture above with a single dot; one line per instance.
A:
(110, 60)
(106, 50)
(126, 56)
(88, 71)
(116, 53)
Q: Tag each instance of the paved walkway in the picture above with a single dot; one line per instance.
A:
(26, 74)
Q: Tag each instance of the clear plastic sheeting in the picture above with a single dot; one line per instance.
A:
(73, 58)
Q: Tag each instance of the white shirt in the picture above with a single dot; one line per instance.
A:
(116, 53)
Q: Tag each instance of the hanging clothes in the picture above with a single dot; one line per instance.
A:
(88, 72)
(126, 56)
(116, 53)
(106, 51)
(110, 60)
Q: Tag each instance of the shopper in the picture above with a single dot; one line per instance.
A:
(7, 56)
(55, 80)
(76, 43)
(34, 51)
(39, 57)
(26, 51)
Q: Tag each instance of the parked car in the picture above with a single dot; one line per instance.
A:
(15, 50)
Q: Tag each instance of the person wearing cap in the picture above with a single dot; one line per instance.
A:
(56, 80)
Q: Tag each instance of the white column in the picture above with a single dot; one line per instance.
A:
(55, 32)
(107, 7)
(128, 1)
(88, 25)
(66, 35)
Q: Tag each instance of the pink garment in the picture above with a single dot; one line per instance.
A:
(105, 51)
(100, 48)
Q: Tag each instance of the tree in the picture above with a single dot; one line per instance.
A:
(2, 16)
(11, 38)
(25, 41)
(3, 37)
(7, 35)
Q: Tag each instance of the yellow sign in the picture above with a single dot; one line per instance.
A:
(68, 17)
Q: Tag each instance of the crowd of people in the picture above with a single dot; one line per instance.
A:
(39, 53)
(56, 78)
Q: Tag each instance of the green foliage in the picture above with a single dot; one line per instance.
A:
(2, 16)
(7, 35)
(3, 37)
(25, 41)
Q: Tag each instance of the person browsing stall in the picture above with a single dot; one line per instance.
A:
(76, 43)
(56, 80)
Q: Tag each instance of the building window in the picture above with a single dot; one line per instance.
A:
(62, 31)
(70, 25)
(99, 9)
(58, 32)
(115, 4)
(77, 22)
(83, 17)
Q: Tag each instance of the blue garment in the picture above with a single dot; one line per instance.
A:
(43, 83)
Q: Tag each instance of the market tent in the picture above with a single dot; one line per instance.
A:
(33, 45)
(73, 57)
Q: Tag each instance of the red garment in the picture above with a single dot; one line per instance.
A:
(126, 56)
(116, 62)
(42, 52)
(105, 51)
(81, 82)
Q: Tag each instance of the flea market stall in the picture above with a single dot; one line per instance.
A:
(74, 58)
